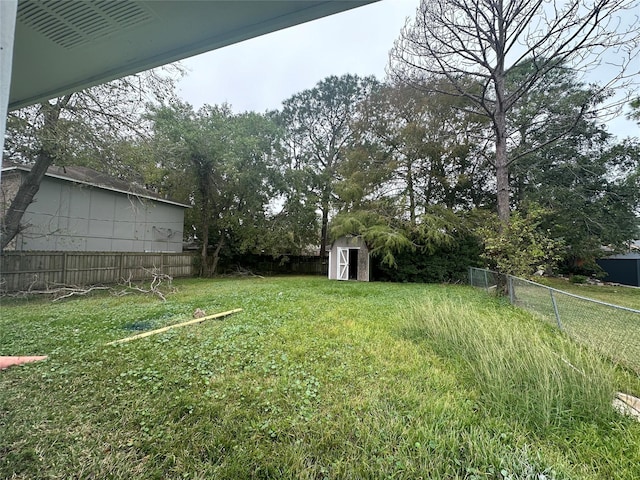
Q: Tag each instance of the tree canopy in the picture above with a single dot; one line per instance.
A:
(475, 46)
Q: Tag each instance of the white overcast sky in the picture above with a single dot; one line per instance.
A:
(260, 73)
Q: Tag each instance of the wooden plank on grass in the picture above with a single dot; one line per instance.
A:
(177, 325)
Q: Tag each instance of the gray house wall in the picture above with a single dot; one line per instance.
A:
(622, 268)
(67, 216)
(362, 272)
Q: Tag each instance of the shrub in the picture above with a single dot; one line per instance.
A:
(520, 248)
(578, 279)
(448, 264)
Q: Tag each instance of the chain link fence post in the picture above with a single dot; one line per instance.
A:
(555, 309)
(512, 293)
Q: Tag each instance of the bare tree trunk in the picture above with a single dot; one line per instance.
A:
(216, 255)
(29, 187)
(502, 160)
(204, 265)
(204, 187)
(324, 231)
(412, 193)
(502, 179)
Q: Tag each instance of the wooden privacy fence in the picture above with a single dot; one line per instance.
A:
(20, 270)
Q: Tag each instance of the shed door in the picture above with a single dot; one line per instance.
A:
(343, 263)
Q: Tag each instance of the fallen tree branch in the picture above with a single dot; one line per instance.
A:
(55, 290)
(158, 279)
(160, 286)
(242, 272)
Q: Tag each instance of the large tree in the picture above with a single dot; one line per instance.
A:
(585, 182)
(474, 44)
(88, 127)
(318, 128)
(223, 164)
(417, 148)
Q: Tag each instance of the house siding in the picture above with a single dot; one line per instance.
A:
(624, 269)
(66, 216)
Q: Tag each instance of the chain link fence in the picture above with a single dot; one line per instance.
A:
(611, 329)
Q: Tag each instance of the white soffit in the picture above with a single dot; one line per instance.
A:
(66, 45)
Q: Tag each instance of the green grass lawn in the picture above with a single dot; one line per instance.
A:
(314, 379)
(617, 295)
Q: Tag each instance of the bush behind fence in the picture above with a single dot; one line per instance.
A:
(611, 329)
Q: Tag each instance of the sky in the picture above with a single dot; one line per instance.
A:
(258, 74)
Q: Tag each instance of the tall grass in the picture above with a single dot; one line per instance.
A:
(520, 370)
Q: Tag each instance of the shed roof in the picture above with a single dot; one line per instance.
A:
(88, 176)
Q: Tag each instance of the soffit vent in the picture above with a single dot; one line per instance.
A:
(71, 23)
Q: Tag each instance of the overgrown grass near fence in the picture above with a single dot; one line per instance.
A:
(611, 329)
(314, 379)
(503, 360)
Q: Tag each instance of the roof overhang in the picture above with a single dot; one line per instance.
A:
(66, 45)
(91, 178)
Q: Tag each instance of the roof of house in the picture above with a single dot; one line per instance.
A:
(61, 47)
(88, 176)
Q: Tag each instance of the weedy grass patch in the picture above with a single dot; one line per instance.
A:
(314, 379)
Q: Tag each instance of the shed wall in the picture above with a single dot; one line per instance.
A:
(363, 257)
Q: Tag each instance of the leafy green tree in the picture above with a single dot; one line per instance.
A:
(523, 247)
(318, 132)
(474, 45)
(416, 148)
(223, 164)
(585, 183)
(590, 188)
(294, 228)
(635, 109)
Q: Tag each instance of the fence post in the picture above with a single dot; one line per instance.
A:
(64, 269)
(555, 309)
(471, 276)
(120, 260)
(512, 294)
(486, 281)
